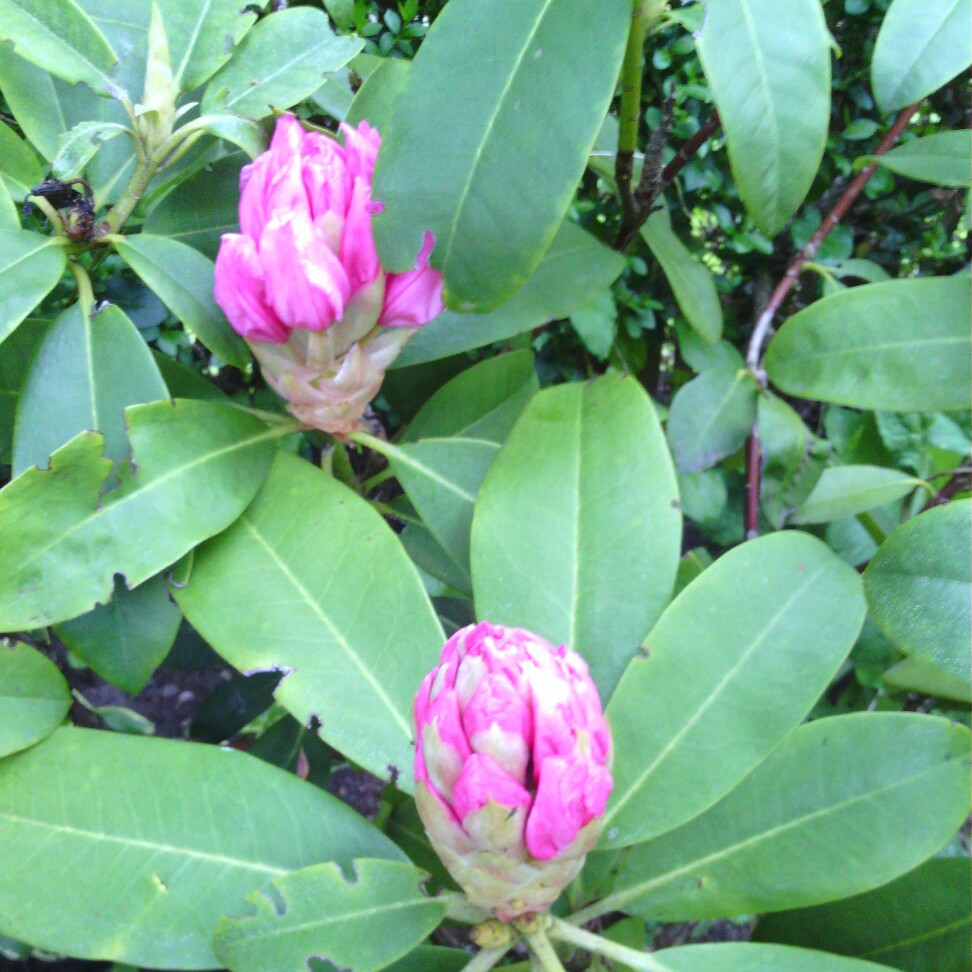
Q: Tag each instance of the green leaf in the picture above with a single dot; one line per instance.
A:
(699, 355)
(919, 587)
(918, 675)
(916, 923)
(361, 633)
(576, 533)
(15, 358)
(841, 806)
(184, 382)
(734, 663)
(85, 373)
(125, 640)
(922, 45)
(180, 217)
(770, 77)
(847, 490)
(943, 159)
(574, 269)
(318, 913)
(9, 217)
(376, 98)
(482, 402)
(711, 416)
(596, 323)
(240, 132)
(748, 957)
(432, 958)
(494, 198)
(908, 351)
(201, 37)
(30, 266)
(34, 697)
(427, 554)
(281, 61)
(172, 835)
(183, 279)
(58, 36)
(19, 168)
(76, 148)
(195, 466)
(690, 280)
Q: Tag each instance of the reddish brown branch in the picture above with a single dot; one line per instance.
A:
(686, 153)
(754, 355)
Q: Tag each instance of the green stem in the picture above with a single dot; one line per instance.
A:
(631, 74)
(85, 291)
(642, 961)
(271, 418)
(129, 199)
(873, 528)
(369, 484)
(544, 951)
(380, 446)
(485, 959)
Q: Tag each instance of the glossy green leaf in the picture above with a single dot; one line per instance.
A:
(172, 835)
(711, 416)
(281, 61)
(495, 196)
(361, 633)
(58, 36)
(201, 36)
(943, 159)
(19, 168)
(482, 402)
(376, 98)
(917, 675)
(919, 587)
(30, 266)
(909, 348)
(127, 639)
(86, 372)
(34, 697)
(847, 490)
(78, 146)
(15, 358)
(180, 217)
(922, 45)
(576, 532)
(770, 77)
(734, 664)
(183, 279)
(574, 269)
(690, 280)
(917, 923)
(318, 913)
(841, 806)
(195, 466)
(442, 478)
(748, 957)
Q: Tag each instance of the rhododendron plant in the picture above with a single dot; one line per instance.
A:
(302, 282)
(511, 765)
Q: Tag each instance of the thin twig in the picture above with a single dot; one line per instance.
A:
(687, 152)
(761, 332)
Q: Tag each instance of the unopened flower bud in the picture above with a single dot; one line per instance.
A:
(156, 113)
(511, 766)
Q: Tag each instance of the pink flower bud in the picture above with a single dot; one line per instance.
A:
(511, 766)
(303, 273)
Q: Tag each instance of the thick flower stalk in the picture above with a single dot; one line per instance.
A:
(511, 766)
(302, 283)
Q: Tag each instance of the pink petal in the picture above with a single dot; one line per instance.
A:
(361, 146)
(483, 779)
(358, 252)
(414, 298)
(570, 794)
(240, 291)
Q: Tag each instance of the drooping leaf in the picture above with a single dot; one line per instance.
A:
(770, 77)
(574, 269)
(922, 45)
(845, 491)
(183, 279)
(494, 199)
(916, 923)
(78, 146)
(201, 37)
(281, 61)
(711, 416)
(19, 168)
(576, 531)
(127, 639)
(943, 159)
(34, 697)
(732, 666)
(919, 587)
(85, 373)
(690, 280)
(908, 351)
(30, 266)
(841, 806)
(172, 834)
(361, 633)
(58, 36)
(195, 466)
(319, 913)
